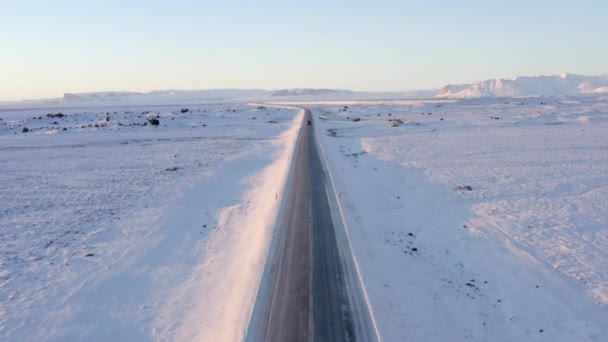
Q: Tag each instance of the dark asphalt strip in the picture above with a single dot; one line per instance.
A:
(310, 291)
(332, 318)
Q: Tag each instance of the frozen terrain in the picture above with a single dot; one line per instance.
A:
(563, 84)
(479, 219)
(112, 228)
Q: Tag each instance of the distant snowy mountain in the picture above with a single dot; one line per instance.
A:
(564, 84)
(309, 92)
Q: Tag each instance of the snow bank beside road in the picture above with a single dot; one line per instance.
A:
(226, 284)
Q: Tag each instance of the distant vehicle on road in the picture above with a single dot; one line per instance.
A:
(309, 122)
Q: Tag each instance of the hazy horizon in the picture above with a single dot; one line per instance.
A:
(405, 91)
(73, 47)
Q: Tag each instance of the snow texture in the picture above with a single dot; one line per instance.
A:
(112, 228)
(477, 220)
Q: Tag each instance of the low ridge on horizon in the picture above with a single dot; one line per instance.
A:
(542, 85)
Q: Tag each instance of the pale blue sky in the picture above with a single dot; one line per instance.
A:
(50, 47)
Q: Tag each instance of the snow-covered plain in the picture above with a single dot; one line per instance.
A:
(481, 219)
(110, 229)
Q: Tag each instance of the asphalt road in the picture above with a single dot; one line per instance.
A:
(310, 291)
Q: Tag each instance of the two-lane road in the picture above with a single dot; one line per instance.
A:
(311, 291)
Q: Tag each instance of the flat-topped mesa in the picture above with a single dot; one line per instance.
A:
(105, 96)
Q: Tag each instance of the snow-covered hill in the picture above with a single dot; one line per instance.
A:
(563, 84)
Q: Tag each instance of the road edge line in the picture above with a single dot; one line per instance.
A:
(346, 230)
(261, 291)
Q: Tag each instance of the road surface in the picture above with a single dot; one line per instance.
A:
(310, 291)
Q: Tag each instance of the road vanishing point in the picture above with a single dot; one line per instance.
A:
(311, 290)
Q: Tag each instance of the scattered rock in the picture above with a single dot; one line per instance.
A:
(396, 122)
